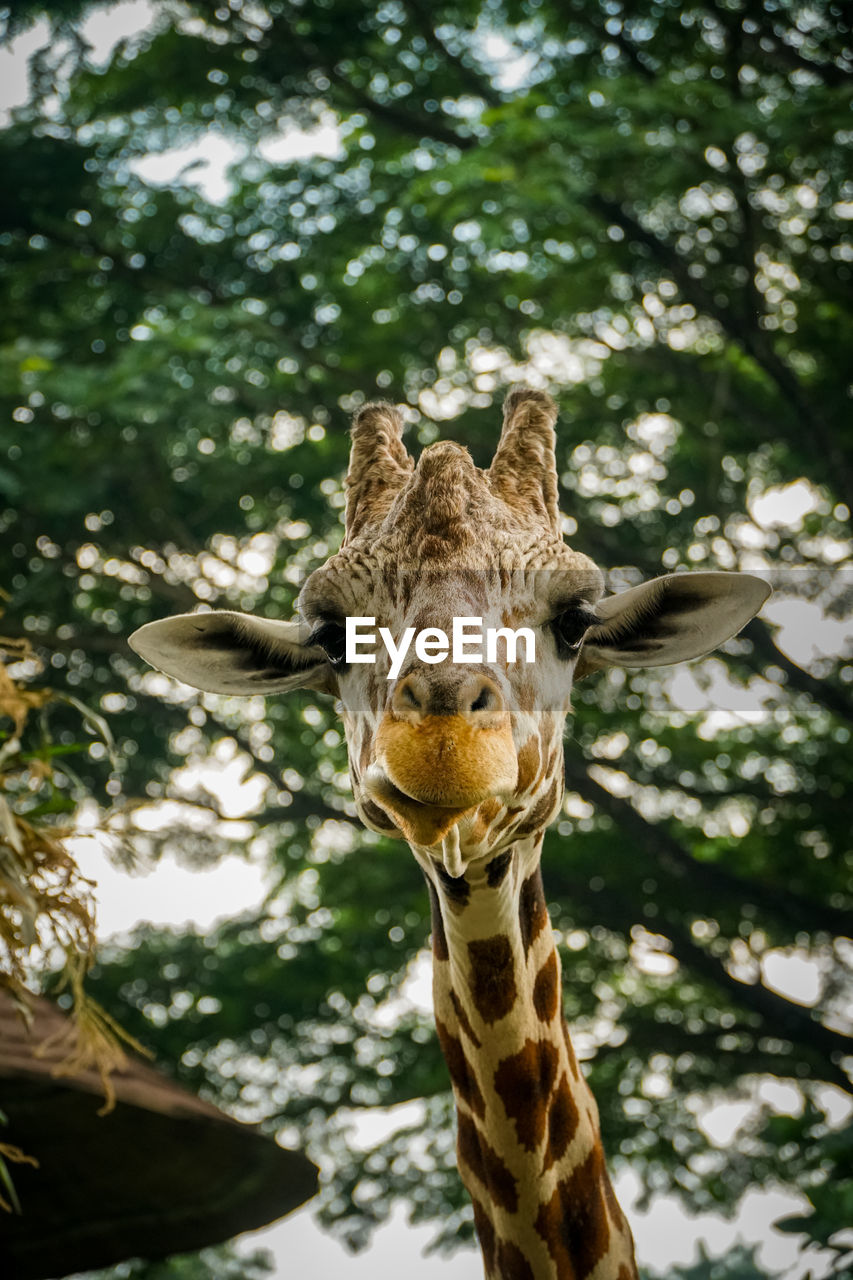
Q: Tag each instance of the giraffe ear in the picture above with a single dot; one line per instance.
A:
(670, 619)
(225, 652)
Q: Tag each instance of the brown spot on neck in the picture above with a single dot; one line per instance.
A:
(574, 1222)
(497, 868)
(480, 1159)
(463, 1077)
(456, 888)
(532, 911)
(512, 1264)
(546, 989)
(523, 1082)
(563, 1119)
(464, 1020)
(492, 976)
(485, 1234)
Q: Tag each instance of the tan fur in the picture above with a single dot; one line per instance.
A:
(445, 760)
(379, 466)
(524, 472)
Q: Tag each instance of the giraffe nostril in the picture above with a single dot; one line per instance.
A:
(409, 699)
(480, 700)
(476, 698)
(407, 695)
(484, 700)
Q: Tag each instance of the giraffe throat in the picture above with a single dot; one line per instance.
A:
(529, 1148)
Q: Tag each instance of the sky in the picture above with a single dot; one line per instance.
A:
(171, 894)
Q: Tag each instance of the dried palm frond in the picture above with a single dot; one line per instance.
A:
(9, 1152)
(47, 905)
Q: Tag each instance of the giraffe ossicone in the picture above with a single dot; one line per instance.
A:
(465, 763)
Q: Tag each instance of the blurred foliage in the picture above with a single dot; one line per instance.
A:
(221, 1263)
(645, 209)
(739, 1264)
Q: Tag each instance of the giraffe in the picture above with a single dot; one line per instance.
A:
(464, 762)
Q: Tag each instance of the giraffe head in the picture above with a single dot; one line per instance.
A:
(460, 758)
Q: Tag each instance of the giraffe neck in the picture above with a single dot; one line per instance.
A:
(529, 1144)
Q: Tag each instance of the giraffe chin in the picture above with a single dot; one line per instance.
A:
(421, 824)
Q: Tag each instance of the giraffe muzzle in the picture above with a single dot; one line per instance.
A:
(430, 769)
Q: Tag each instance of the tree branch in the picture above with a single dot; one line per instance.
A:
(821, 691)
(751, 340)
(405, 122)
(781, 1017)
(765, 47)
(477, 84)
(622, 42)
(655, 840)
(761, 1012)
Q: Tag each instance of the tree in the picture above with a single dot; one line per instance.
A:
(644, 208)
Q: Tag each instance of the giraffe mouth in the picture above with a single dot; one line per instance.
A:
(421, 822)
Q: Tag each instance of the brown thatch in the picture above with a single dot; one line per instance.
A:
(164, 1172)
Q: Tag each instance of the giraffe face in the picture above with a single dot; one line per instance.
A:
(473, 748)
(455, 757)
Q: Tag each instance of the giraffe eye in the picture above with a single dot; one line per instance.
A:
(569, 629)
(331, 638)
